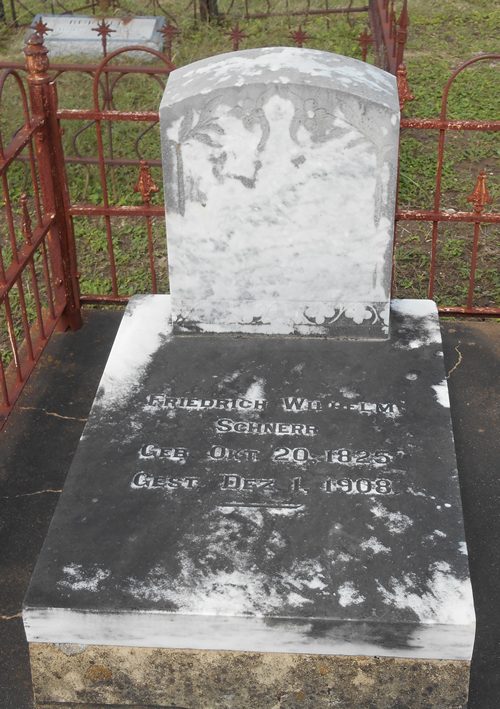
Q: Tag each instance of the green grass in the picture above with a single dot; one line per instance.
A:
(442, 36)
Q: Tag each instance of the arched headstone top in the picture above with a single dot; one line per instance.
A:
(280, 172)
(282, 65)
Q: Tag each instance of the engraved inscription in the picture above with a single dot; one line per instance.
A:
(150, 450)
(294, 404)
(339, 455)
(143, 480)
(162, 401)
(236, 482)
(265, 428)
(239, 483)
(241, 455)
(224, 467)
(298, 403)
(362, 485)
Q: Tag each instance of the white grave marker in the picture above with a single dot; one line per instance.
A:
(280, 185)
(76, 34)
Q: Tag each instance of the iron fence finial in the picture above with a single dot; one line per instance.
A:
(145, 184)
(103, 29)
(480, 197)
(299, 36)
(236, 36)
(169, 32)
(402, 33)
(364, 41)
(404, 19)
(37, 61)
(41, 28)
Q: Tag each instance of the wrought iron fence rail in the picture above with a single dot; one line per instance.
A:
(56, 68)
(18, 144)
(92, 210)
(313, 12)
(112, 162)
(447, 124)
(422, 215)
(91, 114)
(14, 377)
(24, 256)
(471, 312)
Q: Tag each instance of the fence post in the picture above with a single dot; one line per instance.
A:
(402, 33)
(13, 12)
(54, 189)
(208, 10)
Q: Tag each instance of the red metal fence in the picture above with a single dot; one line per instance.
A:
(249, 10)
(45, 275)
(388, 33)
(479, 197)
(38, 288)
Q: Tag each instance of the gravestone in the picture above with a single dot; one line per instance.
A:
(76, 34)
(264, 508)
(280, 189)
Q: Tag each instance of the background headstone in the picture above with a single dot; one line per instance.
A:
(280, 188)
(76, 34)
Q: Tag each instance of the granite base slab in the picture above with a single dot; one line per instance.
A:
(104, 676)
(283, 497)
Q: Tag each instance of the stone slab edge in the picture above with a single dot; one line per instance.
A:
(167, 630)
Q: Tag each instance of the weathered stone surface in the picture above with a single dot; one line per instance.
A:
(262, 494)
(98, 676)
(280, 171)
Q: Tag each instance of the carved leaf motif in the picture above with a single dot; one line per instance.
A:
(186, 126)
(198, 131)
(217, 129)
(204, 138)
(359, 313)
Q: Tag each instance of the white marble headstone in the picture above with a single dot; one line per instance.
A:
(75, 34)
(280, 174)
